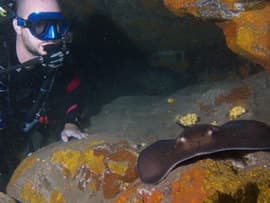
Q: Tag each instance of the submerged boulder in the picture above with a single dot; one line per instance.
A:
(96, 171)
(80, 171)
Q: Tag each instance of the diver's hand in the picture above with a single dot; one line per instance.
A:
(54, 60)
(71, 130)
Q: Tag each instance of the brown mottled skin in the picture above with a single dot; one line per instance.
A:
(159, 158)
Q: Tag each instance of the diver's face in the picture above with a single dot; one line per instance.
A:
(32, 44)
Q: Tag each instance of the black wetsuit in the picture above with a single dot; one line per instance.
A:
(18, 104)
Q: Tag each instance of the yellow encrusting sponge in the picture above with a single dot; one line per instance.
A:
(188, 119)
(236, 112)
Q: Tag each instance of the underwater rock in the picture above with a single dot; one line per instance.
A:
(79, 171)
(95, 171)
(209, 180)
(248, 35)
(245, 24)
(212, 9)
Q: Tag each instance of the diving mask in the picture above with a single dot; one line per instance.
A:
(45, 25)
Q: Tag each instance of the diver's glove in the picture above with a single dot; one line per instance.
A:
(55, 55)
(54, 60)
(71, 131)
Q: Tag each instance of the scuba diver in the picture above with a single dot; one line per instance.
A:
(31, 60)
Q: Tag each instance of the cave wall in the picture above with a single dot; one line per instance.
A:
(165, 29)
